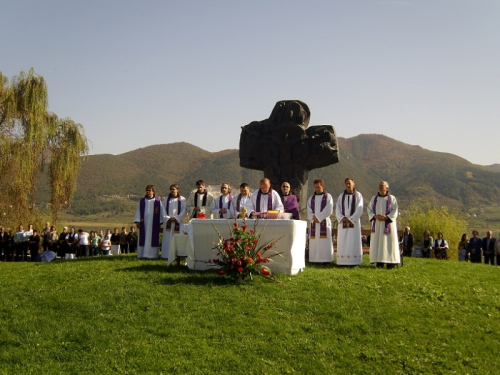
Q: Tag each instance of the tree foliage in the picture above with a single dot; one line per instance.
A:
(421, 216)
(30, 138)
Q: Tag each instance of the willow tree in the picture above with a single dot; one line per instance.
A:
(30, 138)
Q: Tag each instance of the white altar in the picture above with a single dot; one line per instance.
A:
(203, 236)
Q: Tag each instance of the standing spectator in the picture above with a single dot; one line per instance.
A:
(497, 250)
(464, 242)
(123, 241)
(474, 247)
(383, 212)
(106, 245)
(83, 243)
(440, 247)
(53, 238)
(18, 241)
(9, 250)
(488, 246)
(25, 244)
(427, 242)
(34, 245)
(407, 242)
(95, 243)
(72, 242)
(45, 236)
(62, 246)
(319, 210)
(461, 252)
(115, 242)
(132, 240)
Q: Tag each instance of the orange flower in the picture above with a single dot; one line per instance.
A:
(249, 260)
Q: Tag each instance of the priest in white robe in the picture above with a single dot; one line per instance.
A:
(319, 210)
(148, 219)
(243, 199)
(348, 210)
(223, 206)
(383, 214)
(199, 201)
(266, 199)
(174, 207)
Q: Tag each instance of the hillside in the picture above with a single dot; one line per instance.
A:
(413, 172)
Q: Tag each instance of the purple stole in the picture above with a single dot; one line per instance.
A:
(290, 205)
(269, 199)
(238, 203)
(322, 225)
(203, 203)
(228, 206)
(155, 240)
(387, 228)
(176, 226)
(353, 208)
(353, 203)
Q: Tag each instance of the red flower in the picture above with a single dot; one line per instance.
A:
(264, 260)
(249, 260)
(214, 260)
(244, 227)
(239, 263)
(240, 269)
(221, 272)
(247, 248)
(236, 225)
(255, 242)
(234, 260)
(251, 231)
(259, 255)
(264, 271)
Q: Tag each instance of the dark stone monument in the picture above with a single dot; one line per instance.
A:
(286, 149)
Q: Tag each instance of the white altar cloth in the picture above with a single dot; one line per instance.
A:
(292, 245)
(179, 247)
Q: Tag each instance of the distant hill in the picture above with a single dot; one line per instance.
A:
(495, 167)
(412, 172)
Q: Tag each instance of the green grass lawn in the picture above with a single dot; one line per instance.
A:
(122, 315)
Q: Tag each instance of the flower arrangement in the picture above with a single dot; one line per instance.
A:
(242, 254)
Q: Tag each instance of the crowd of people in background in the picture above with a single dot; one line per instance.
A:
(25, 245)
(475, 249)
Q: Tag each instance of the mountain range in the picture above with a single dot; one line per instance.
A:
(412, 172)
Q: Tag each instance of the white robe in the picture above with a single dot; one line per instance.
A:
(225, 204)
(245, 201)
(349, 246)
(276, 204)
(384, 248)
(147, 251)
(168, 230)
(320, 249)
(208, 204)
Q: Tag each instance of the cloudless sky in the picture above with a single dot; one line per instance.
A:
(138, 73)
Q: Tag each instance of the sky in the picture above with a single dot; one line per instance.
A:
(139, 73)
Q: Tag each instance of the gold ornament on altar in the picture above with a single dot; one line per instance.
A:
(243, 213)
